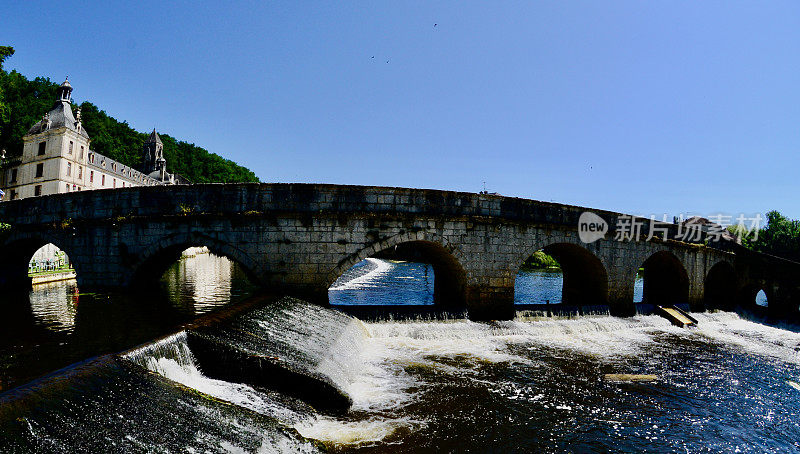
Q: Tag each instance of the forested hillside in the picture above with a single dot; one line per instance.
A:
(23, 102)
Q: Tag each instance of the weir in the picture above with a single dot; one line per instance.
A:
(290, 346)
(124, 408)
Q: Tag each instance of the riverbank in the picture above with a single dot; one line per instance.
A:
(52, 276)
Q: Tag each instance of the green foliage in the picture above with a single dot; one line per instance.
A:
(5, 230)
(27, 100)
(5, 52)
(780, 237)
(741, 232)
(540, 260)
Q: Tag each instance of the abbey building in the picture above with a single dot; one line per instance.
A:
(56, 158)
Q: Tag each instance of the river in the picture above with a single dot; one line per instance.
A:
(533, 384)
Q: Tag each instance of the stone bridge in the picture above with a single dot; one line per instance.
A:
(299, 238)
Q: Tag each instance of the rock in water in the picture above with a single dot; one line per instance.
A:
(290, 346)
(630, 377)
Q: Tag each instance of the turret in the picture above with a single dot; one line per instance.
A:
(65, 91)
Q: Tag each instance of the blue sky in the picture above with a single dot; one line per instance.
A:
(639, 107)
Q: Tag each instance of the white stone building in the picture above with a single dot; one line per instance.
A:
(56, 158)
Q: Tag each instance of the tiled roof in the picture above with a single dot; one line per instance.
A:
(60, 115)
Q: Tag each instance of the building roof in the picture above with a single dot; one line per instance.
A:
(153, 138)
(60, 115)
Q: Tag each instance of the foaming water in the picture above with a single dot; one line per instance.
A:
(355, 364)
(172, 359)
(364, 275)
(544, 374)
(382, 281)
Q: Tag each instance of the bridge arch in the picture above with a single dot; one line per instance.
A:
(749, 293)
(156, 258)
(720, 286)
(16, 253)
(666, 281)
(584, 275)
(450, 277)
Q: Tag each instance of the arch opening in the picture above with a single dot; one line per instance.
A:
(761, 299)
(754, 297)
(664, 280)
(420, 273)
(720, 287)
(196, 277)
(34, 260)
(562, 273)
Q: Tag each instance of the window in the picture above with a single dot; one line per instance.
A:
(91, 176)
(69, 169)
(80, 172)
(67, 187)
(70, 147)
(81, 156)
(42, 146)
(13, 175)
(102, 180)
(39, 170)
(91, 158)
(114, 181)
(123, 184)
(37, 190)
(14, 194)
(73, 187)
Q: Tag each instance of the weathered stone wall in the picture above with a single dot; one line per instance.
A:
(301, 237)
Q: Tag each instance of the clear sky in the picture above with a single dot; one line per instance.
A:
(640, 107)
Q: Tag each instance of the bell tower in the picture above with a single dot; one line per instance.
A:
(153, 153)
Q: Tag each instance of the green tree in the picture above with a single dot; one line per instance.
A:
(540, 259)
(5, 52)
(781, 237)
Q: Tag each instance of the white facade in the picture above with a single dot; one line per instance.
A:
(56, 158)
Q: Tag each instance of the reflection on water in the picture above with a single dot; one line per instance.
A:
(201, 282)
(54, 305)
(53, 325)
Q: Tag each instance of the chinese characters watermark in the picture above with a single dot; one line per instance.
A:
(592, 227)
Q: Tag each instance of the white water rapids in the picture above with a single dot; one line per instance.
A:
(377, 380)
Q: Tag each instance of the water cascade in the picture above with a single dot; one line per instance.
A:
(112, 405)
(290, 346)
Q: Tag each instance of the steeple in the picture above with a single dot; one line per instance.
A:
(153, 153)
(154, 137)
